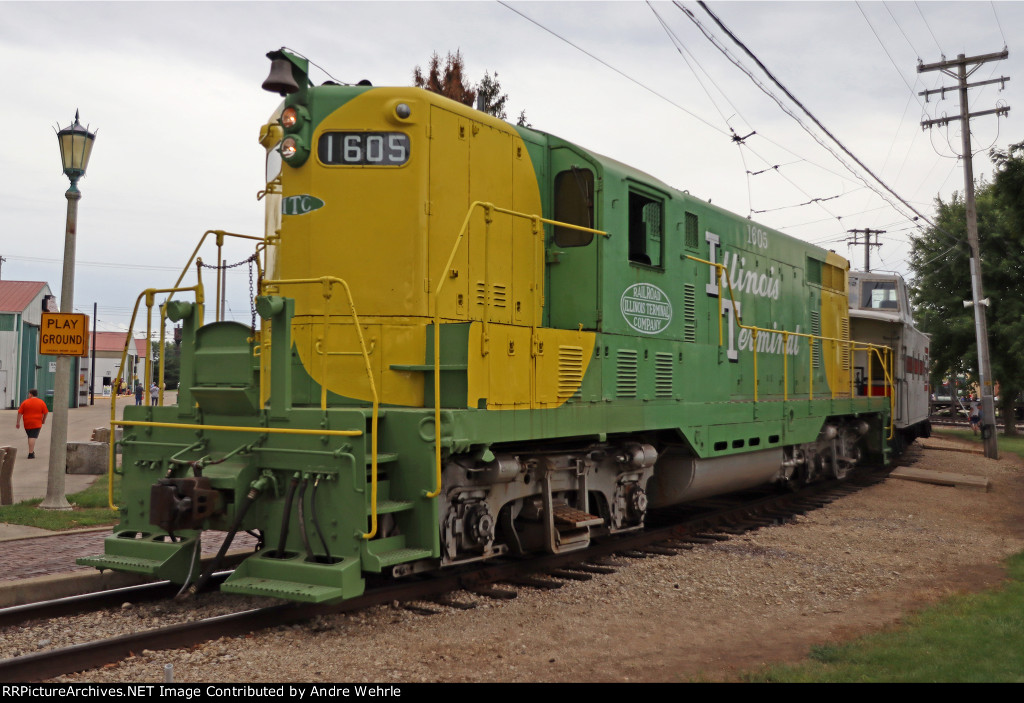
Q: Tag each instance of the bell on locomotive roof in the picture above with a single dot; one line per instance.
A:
(282, 78)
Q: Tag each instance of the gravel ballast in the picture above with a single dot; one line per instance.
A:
(851, 567)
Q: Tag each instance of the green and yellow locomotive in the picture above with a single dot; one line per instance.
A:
(480, 340)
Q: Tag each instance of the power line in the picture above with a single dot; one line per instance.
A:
(683, 51)
(894, 21)
(608, 65)
(891, 60)
(99, 264)
(807, 112)
(998, 23)
(809, 202)
(929, 28)
(674, 104)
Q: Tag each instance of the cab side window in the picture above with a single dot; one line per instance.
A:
(574, 205)
(645, 229)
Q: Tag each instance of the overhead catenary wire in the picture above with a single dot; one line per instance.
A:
(900, 28)
(810, 162)
(885, 194)
(998, 23)
(809, 202)
(800, 105)
(683, 51)
(918, 216)
(613, 68)
(741, 142)
(937, 46)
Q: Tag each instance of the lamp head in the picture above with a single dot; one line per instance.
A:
(76, 144)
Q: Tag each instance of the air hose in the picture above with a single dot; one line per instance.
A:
(204, 578)
(286, 519)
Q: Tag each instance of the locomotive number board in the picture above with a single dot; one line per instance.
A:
(363, 148)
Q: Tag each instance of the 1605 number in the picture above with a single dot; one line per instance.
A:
(757, 237)
(364, 148)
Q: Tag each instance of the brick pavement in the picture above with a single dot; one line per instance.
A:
(52, 554)
(28, 552)
(56, 553)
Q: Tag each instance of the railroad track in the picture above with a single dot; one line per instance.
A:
(963, 423)
(670, 532)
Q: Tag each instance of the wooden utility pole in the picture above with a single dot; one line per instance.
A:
(958, 69)
(867, 242)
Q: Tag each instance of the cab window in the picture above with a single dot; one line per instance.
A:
(645, 229)
(574, 205)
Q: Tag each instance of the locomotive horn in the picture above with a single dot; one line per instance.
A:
(282, 75)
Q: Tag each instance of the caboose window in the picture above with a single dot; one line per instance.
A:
(878, 295)
(574, 205)
(363, 148)
(644, 230)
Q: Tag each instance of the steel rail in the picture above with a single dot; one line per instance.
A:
(91, 602)
(741, 510)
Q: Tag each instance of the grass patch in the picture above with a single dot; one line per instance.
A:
(89, 509)
(1014, 445)
(969, 638)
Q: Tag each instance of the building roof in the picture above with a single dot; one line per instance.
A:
(15, 296)
(112, 342)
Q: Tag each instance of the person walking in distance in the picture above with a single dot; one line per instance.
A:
(34, 411)
(975, 415)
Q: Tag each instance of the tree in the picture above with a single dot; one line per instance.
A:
(447, 81)
(489, 96)
(172, 364)
(450, 81)
(942, 281)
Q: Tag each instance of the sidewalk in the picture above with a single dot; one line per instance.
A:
(30, 475)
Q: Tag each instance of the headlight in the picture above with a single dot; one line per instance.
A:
(289, 147)
(294, 151)
(289, 117)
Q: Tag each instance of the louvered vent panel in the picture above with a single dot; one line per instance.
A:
(689, 313)
(691, 230)
(499, 294)
(846, 347)
(663, 375)
(626, 373)
(570, 370)
(816, 330)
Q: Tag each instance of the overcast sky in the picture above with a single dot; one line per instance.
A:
(174, 90)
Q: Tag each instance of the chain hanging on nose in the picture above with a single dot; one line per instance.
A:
(224, 267)
(252, 300)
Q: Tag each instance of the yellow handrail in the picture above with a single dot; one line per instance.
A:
(488, 208)
(327, 282)
(261, 243)
(148, 294)
(237, 428)
(850, 345)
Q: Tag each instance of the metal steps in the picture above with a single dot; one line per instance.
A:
(296, 578)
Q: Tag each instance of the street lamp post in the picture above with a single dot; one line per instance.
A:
(76, 144)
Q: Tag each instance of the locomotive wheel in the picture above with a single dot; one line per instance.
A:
(840, 470)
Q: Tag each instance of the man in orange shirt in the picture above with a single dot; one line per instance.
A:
(34, 410)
